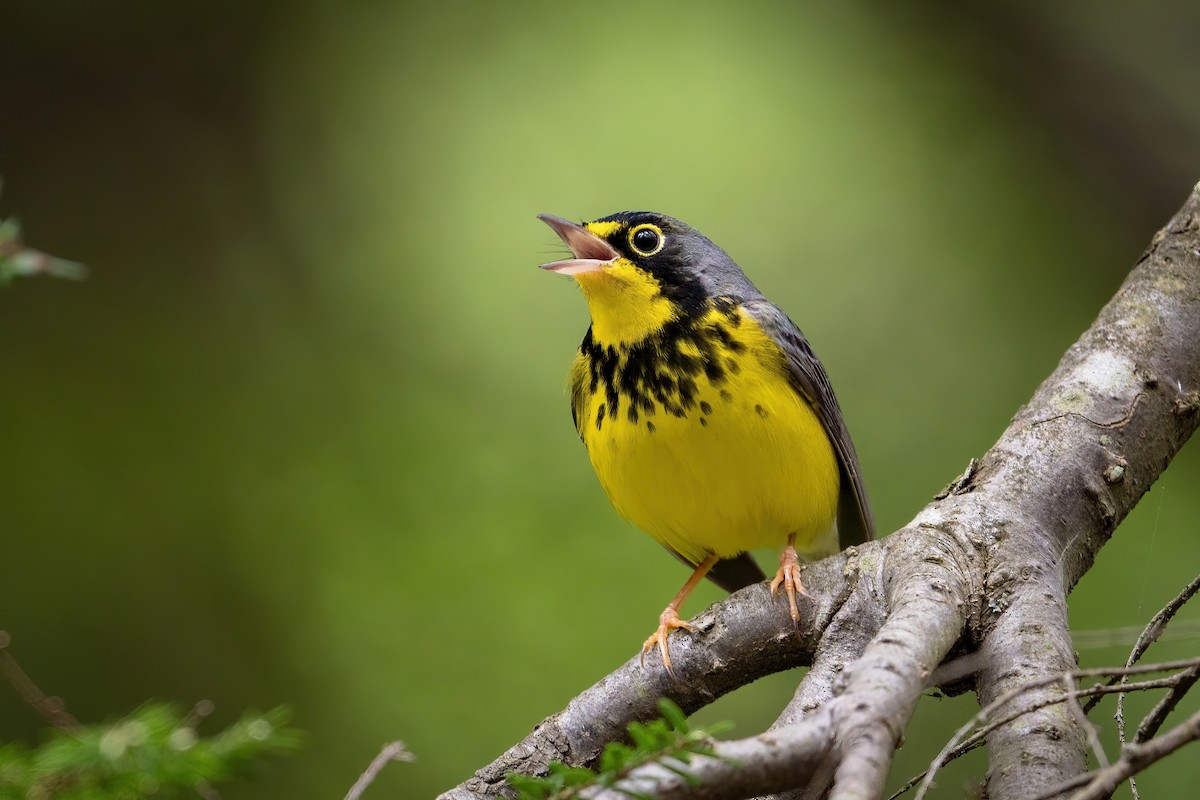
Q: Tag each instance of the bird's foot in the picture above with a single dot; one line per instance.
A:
(667, 621)
(789, 576)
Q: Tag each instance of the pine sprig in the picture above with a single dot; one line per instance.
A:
(670, 742)
(153, 752)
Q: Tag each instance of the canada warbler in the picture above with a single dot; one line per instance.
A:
(707, 417)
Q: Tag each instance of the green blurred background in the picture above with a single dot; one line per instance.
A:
(302, 436)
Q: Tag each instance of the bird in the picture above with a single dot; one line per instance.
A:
(708, 419)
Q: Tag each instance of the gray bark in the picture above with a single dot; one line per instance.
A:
(987, 564)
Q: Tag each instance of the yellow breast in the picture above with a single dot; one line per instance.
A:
(699, 439)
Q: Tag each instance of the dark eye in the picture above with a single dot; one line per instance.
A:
(646, 240)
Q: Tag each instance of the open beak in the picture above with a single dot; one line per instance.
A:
(592, 253)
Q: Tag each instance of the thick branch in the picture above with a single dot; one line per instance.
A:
(1069, 468)
(928, 610)
(768, 762)
(842, 643)
(1000, 550)
(739, 640)
(1029, 641)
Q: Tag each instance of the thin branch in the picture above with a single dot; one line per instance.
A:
(1071, 698)
(964, 732)
(1158, 623)
(51, 708)
(1100, 784)
(1150, 634)
(1154, 720)
(393, 751)
(980, 736)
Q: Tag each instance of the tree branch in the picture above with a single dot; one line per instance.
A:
(991, 560)
(1032, 639)
(768, 762)
(1102, 783)
(965, 741)
(741, 639)
(928, 610)
(843, 643)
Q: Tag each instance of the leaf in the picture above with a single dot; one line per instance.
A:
(673, 715)
(669, 741)
(616, 755)
(719, 727)
(529, 787)
(571, 776)
(153, 750)
(643, 739)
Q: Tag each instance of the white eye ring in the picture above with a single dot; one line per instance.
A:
(659, 239)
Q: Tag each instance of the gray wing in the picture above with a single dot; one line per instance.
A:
(855, 523)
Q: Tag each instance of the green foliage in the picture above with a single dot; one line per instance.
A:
(670, 742)
(153, 752)
(314, 336)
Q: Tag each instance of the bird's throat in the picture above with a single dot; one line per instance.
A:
(626, 305)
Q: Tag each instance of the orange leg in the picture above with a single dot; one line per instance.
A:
(789, 576)
(669, 618)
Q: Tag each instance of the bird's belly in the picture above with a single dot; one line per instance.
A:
(744, 466)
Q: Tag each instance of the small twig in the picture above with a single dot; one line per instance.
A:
(1154, 720)
(393, 751)
(51, 708)
(1071, 698)
(1073, 782)
(199, 712)
(1101, 783)
(982, 716)
(1154, 629)
(1159, 621)
(977, 738)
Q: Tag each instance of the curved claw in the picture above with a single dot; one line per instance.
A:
(789, 576)
(667, 621)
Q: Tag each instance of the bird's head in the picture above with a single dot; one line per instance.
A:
(640, 270)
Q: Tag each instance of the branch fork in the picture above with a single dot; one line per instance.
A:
(987, 565)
